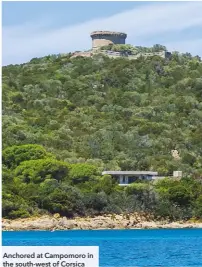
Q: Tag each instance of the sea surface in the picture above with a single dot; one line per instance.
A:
(123, 248)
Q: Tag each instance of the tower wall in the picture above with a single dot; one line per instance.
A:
(100, 39)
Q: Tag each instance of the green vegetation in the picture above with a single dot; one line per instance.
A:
(67, 119)
(40, 186)
(133, 50)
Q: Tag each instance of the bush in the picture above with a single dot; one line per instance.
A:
(82, 172)
(21, 213)
(137, 188)
(7, 176)
(14, 155)
(179, 195)
(96, 202)
(105, 184)
(37, 171)
(66, 200)
(13, 206)
(198, 207)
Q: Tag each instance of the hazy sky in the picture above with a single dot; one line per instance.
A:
(35, 29)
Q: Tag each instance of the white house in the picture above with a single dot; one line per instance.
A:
(127, 177)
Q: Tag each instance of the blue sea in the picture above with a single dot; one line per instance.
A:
(123, 248)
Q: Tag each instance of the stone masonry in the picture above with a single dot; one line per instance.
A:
(102, 38)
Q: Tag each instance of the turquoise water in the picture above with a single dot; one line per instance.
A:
(121, 248)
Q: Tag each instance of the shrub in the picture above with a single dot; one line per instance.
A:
(14, 155)
(37, 171)
(96, 202)
(179, 195)
(21, 213)
(13, 206)
(82, 172)
(66, 200)
(198, 207)
(105, 184)
(137, 188)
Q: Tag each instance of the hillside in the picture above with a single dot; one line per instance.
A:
(108, 113)
(124, 115)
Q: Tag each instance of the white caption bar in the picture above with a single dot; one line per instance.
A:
(64, 256)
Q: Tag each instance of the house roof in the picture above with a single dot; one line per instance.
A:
(130, 173)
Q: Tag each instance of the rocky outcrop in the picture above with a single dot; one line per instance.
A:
(175, 154)
(132, 221)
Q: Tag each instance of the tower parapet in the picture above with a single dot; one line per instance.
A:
(104, 38)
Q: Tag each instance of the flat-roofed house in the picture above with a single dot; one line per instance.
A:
(128, 177)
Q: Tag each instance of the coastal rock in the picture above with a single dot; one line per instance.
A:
(63, 221)
(133, 221)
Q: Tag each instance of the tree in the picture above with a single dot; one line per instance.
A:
(66, 201)
(198, 207)
(80, 173)
(36, 171)
(96, 202)
(179, 195)
(14, 155)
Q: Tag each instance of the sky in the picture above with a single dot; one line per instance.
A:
(36, 29)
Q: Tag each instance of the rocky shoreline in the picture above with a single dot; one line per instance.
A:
(134, 221)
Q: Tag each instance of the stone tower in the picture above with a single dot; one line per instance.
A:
(102, 38)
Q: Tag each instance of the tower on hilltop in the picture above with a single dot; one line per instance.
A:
(102, 38)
